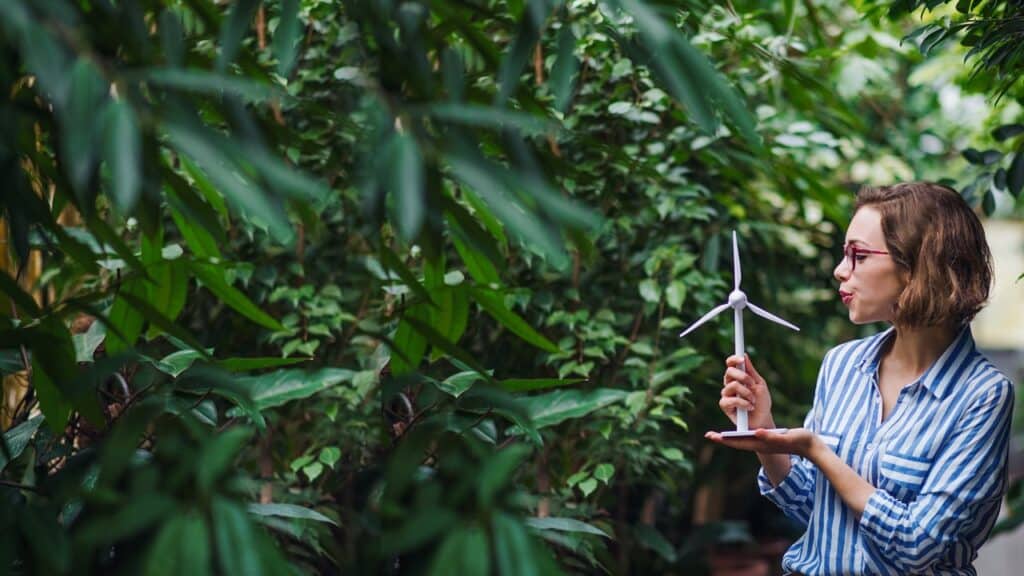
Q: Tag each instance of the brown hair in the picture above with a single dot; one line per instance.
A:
(939, 245)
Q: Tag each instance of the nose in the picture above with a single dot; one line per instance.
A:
(843, 270)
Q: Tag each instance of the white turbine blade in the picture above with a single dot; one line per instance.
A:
(716, 311)
(769, 316)
(737, 274)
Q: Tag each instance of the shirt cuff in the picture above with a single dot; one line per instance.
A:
(879, 521)
(789, 492)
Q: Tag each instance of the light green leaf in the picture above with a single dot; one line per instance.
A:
(650, 291)
(330, 455)
(604, 472)
(289, 511)
(675, 294)
(564, 525)
(588, 486)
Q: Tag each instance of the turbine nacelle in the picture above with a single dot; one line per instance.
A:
(737, 300)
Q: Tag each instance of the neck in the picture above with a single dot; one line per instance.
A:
(915, 349)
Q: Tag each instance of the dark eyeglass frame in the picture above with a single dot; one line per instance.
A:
(850, 252)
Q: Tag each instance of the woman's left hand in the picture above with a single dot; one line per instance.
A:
(797, 441)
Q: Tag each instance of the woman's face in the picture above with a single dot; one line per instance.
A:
(870, 292)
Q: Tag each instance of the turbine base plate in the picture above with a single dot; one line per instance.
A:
(750, 433)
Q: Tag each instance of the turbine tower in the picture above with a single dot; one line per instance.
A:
(738, 301)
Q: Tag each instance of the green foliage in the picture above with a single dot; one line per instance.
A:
(398, 290)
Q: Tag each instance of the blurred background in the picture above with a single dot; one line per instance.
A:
(394, 287)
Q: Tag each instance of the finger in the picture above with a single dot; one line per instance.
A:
(734, 360)
(734, 402)
(735, 374)
(750, 367)
(734, 389)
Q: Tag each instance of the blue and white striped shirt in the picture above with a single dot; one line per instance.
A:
(938, 463)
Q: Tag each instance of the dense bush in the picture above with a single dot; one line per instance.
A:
(323, 286)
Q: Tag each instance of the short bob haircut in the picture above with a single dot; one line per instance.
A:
(939, 246)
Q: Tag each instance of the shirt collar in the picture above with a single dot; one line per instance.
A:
(938, 378)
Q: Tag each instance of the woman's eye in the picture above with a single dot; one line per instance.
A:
(860, 257)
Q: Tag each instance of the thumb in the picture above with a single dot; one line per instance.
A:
(750, 367)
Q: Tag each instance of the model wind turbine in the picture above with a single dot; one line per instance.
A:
(738, 301)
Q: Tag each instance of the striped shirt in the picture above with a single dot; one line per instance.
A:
(938, 463)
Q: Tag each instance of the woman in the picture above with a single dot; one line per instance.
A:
(900, 467)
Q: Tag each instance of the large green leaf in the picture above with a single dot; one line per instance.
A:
(212, 276)
(17, 438)
(81, 128)
(54, 374)
(564, 525)
(181, 547)
(464, 550)
(410, 344)
(528, 384)
(204, 379)
(287, 36)
(493, 303)
(283, 386)
(406, 172)
(558, 406)
(212, 83)
(220, 159)
(123, 154)
(289, 511)
(233, 30)
(235, 539)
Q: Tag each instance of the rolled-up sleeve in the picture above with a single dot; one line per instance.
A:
(959, 499)
(795, 493)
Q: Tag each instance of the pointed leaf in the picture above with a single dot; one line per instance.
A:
(212, 278)
(492, 302)
(123, 155)
(286, 36)
(556, 407)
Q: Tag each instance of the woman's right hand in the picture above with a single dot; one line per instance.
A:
(746, 390)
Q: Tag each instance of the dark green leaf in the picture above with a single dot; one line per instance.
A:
(528, 384)
(410, 344)
(1007, 131)
(565, 68)
(493, 303)
(181, 547)
(212, 277)
(17, 438)
(407, 175)
(123, 155)
(235, 539)
(464, 550)
(216, 456)
(1015, 176)
(287, 36)
(258, 363)
(204, 379)
(973, 156)
(233, 31)
(392, 262)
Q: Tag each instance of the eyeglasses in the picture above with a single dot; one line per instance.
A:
(851, 252)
